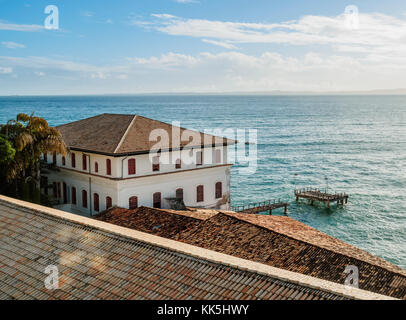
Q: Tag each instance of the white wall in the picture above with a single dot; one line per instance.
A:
(145, 187)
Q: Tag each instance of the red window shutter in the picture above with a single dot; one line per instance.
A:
(133, 202)
(54, 157)
(200, 194)
(108, 167)
(179, 193)
(155, 164)
(219, 191)
(84, 198)
(96, 202)
(109, 203)
(178, 164)
(73, 160)
(131, 166)
(157, 200)
(73, 195)
(199, 158)
(96, 167)
(218, 156)
(84, 162)
(63, 161)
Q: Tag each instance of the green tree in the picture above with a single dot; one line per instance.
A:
(29, 136)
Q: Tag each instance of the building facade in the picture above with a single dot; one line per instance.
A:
(112, 162)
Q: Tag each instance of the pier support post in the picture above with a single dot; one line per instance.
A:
(270, 212)
(286, 209)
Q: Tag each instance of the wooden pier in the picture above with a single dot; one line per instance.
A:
(264, 206)
(312, 194)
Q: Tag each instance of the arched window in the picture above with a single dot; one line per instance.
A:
(96, 202)
(199, 193)
(63, 161)
(178, 164)
(133, 202)
(219, 190)
(96, 167)
(155, 164)
(218, 156)
(199, 158)
(84, 198)
(108, 167)
(131, 166)
(179, 193)
(157, 200)
(109, 203)
(84, 162)
(54, 157)
(73, 160)
(73, 195)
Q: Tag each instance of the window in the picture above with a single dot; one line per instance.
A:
(73, 160)
(218, 156)
(84, 162)
(59, 190)
(155, 164)
(178, 164)
(131, 166)
(133, 202)
(96, 167)
(73, 195)
(65, 193)
(84, 198)
(108, 167)
(199, 158)
(46, 185)
(219, 190)
(200, 194)
(54, 189)
(179, 193)
(63, 161)
(54, 157)
(96, 202)
(157, 200)
(45, 157)
(109, 203)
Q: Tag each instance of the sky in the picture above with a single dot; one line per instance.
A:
(195, 46)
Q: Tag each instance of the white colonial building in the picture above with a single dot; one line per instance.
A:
(117, 160)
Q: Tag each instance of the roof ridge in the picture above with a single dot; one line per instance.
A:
(398, 270)
(125, 134)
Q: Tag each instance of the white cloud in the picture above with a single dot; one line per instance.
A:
(220, 43)
(6, 70)
(375, 31)
(21, 27)
(12, 45)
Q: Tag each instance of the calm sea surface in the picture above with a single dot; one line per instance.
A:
(358, 142)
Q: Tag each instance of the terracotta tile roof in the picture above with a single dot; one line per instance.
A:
(117, 134)
(99, 264)
(284, 243)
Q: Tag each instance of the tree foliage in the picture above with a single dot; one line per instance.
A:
(22, 141)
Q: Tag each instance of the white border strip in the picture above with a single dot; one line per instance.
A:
(125, 134)
(217, 257)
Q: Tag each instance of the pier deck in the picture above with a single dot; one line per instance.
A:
(313, 194)
(263, 206)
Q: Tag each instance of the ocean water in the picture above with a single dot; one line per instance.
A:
(358, 142)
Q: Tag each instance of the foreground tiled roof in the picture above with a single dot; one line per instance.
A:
(278, 241)
(117, 134)
(97, 260)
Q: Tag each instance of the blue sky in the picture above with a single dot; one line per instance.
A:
(201, 46)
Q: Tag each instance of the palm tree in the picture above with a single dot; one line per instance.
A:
(30, 136)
